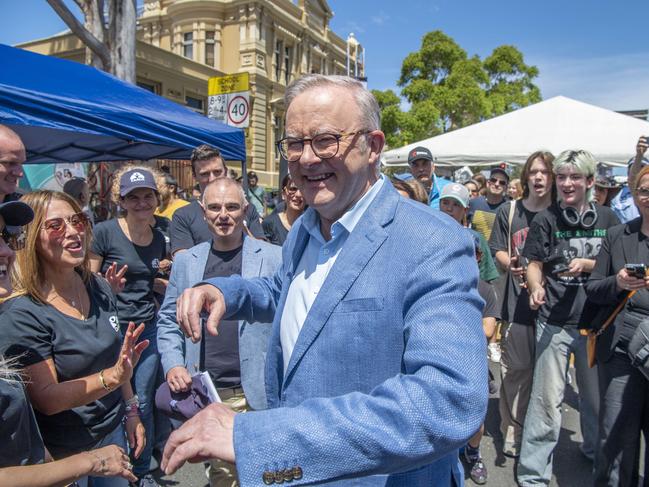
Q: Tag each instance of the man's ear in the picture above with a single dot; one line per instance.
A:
(376, 144)
(590, 181)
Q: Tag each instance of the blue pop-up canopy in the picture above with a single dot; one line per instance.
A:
(68, 112)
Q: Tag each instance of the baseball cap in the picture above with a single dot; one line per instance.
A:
(498, 170)
(456, 191)
(419, 153)
(16, 213)
(136, 178)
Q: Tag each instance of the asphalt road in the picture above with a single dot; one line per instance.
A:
(571, 468)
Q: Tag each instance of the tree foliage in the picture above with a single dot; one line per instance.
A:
(108, 33)
(446, 89)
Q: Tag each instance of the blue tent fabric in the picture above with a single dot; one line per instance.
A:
(68, 112)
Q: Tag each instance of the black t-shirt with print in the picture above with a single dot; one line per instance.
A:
(136, 301)
(220, 353)
(482, 215)
(35, 332)
(516, 302)
(555, 243)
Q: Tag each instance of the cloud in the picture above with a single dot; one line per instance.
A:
(349, 27)
(619, 82)
(380, 18)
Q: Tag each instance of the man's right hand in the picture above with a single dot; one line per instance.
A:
(537, 297)
(190, 304)
(179, 379)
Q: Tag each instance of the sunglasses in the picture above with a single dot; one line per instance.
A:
(14, 237)
(56, 227)
(499, 182)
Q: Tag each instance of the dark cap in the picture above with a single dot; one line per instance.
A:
(419, 153)
(498, 170)
(134, 179)
(16, 213)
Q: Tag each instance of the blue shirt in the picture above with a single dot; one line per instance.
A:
(317, 260)
(436, 190)
(624, 206)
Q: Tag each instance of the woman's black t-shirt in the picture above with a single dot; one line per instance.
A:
(35, 332)
(136, 302)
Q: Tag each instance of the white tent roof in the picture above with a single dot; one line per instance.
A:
(556, 125)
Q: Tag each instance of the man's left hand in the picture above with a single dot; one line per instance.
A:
(207, 435)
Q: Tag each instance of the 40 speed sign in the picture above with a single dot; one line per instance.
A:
(229, 100)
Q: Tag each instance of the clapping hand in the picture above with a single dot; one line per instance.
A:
(116, 278)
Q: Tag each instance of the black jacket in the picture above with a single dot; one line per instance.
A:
(620, 247)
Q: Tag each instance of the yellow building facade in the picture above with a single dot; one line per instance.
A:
(182, 43)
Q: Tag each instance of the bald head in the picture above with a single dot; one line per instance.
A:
(224, 206)
(12, 156)
(222, 185)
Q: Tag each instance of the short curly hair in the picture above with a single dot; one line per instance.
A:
(117, 175)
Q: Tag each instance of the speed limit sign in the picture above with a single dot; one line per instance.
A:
(238, 110)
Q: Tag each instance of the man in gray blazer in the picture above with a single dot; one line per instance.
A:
(235, 358)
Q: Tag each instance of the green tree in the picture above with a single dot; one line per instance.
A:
(446, 89)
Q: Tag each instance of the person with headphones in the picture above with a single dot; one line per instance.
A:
(561, 248)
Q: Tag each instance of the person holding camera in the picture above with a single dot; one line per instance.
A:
(620, 277)
(559, 264)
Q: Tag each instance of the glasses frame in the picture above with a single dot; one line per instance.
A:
(338, 137)
(642, 193)
(500, 182)
(66, 221)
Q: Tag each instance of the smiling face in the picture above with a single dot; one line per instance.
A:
(497, 185)
(7, 257)
(333, 185)
(572, 186)
(140, 204)
(539, 179)
(641, 196)
(61, 245)
(293, 197)
(12, 156)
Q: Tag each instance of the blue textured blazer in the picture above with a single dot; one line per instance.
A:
(259, 259)
(388, 377)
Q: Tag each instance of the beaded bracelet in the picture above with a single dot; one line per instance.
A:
(103, 381)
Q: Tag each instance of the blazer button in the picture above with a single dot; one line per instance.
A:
(288, 474)
(279, 477)
(268, 478)
(297, 473)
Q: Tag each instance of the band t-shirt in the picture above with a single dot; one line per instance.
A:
(35, 332)
(555, 243)
(22, 443)
(516, 302)
(482, 215)
(136, 301)
(188, 226)
(220, 353)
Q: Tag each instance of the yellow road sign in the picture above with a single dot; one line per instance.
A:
(222, 85)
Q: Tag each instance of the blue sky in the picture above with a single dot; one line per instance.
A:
(596, 51)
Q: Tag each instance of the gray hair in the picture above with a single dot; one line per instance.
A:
(582, 160)
(370, 113)
(226, 182)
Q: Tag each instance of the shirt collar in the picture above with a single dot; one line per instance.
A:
(350, 218)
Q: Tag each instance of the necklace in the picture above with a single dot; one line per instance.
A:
(77, 305)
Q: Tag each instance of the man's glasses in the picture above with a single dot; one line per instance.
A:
(499, 182)
(56, 227)
(14, 237)
(325, 146)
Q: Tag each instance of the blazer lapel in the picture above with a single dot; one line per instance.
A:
(361, 245)
(251, 259)
(199, 261)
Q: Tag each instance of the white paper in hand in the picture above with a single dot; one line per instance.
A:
(209, 386)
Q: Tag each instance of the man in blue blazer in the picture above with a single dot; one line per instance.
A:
(235, 359)
(376, 370)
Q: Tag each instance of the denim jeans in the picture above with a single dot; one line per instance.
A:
(554, 344)
(117, 437)
(143, 383)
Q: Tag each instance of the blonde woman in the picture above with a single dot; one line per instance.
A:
(61, 324)
(128, 248)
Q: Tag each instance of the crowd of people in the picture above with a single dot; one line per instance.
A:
(347, 332)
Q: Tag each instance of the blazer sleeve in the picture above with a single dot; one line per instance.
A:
(410, 420)
(171, 341)
(601, 286)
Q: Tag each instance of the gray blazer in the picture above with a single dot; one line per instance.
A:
(259, 259)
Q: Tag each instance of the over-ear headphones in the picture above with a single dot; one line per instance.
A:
(585, 220)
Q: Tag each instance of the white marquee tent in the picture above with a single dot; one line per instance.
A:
(555, 124)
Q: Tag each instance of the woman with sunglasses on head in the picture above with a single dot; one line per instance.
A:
(128, 251)
(278, 224)
(623, 389)
(60, 328)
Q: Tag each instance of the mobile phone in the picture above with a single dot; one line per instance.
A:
(636, 270)
(560, 268)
